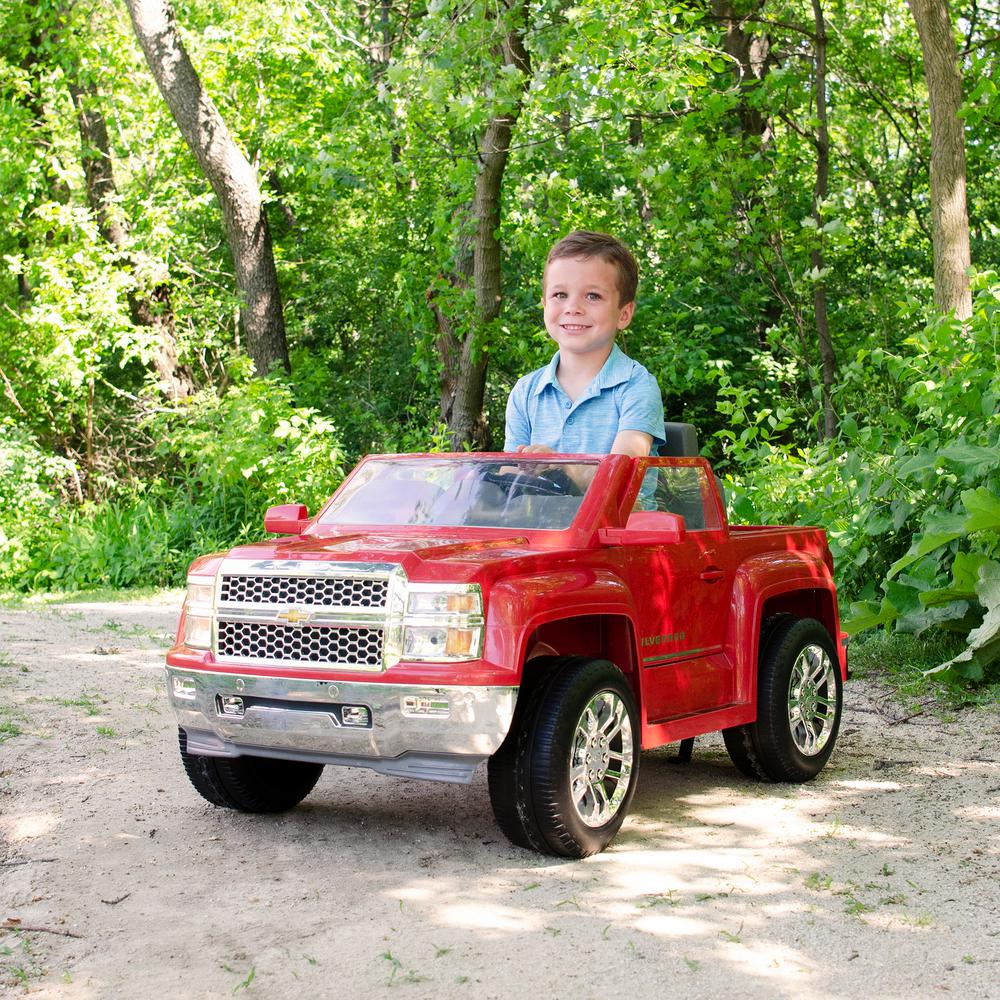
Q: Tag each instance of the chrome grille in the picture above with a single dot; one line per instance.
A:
(310, 644)
(330, 591)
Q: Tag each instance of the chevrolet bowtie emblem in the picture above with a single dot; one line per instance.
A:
(294, 616)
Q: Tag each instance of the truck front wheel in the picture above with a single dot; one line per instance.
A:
(250, 784)
(563, 781)
(799, 700)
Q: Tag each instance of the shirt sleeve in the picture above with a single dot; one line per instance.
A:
(517, 430)
(642, 408)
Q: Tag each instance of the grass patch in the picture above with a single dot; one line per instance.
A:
(901, 662)
(99, 595)
(8, 730)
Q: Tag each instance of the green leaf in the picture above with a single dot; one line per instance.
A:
(984, 642)
(866, 614)
(921, 462)
(973, 456)
(964, 578)
(940, 528)
(984, 510)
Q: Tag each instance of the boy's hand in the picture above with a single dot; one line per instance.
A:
(535, 449)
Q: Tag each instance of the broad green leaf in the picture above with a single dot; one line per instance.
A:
(964, 578)
(866, 614)
(984, 642)
(970, 455)
(921, 462)
(984, 510)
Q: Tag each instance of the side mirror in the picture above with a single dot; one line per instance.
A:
(286, 519)
(646, 527)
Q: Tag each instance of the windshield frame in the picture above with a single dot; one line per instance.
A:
(596, 498)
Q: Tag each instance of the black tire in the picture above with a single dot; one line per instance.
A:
(787, 744)
(249, 784)
(531, 788)
(507, 772)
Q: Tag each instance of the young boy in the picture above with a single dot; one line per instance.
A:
(591, 398)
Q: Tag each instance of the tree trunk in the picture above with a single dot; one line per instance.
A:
(826, 354)
(751, 59)
(751, 55)
(635, 140)
(230, 173)
(42, 36)
(952, 257)
(465, 360)
(153, 311)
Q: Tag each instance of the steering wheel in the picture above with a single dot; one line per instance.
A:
(551, 483)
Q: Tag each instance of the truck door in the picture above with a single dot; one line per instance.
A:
(682, 593)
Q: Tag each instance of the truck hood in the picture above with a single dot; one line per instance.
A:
(374, 547)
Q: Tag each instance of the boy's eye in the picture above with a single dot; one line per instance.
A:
(594, 296)
(558, 295)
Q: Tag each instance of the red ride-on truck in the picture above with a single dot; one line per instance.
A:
(550, 617)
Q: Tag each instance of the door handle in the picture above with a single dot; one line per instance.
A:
(712, 575)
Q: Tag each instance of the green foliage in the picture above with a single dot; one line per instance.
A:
(251, 436)
(221, 460)
(33, 485)
(910, 492)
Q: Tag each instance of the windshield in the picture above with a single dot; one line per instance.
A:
(512, 493)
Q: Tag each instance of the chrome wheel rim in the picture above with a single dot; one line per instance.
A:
(600, 769)
(812, 700)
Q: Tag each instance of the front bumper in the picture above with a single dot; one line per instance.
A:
(440, 732)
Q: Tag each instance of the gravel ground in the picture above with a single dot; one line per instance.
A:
(880, 879)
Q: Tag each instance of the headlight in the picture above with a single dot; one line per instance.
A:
(198, 607)
(437, 602)
(434, 622)
(200, 593)
(198, 631)
(440, 642)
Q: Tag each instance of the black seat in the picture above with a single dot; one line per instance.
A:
(679, 440)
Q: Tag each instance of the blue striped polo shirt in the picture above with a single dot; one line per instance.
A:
(622, 397)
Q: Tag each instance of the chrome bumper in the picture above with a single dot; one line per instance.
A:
(439, 733)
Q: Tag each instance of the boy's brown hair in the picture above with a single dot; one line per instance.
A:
(583, 243)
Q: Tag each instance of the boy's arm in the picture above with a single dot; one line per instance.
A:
(634, 443)
(640, 423)
(517, 431)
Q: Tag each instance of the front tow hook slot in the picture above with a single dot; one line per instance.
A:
(229, 705)
(355, 715)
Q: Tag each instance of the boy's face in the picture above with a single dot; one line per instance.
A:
(581, 304)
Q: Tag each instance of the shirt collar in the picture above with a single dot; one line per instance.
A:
(617, 369)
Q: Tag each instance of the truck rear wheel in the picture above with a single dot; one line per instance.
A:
(249, 784)
(563, 781)
(799, 701)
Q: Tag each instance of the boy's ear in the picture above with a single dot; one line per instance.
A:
(625, 314)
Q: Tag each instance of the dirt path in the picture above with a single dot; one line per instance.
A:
(880, 879)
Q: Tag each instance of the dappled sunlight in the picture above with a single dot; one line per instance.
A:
(873, 786)
(672, 925)
(29, 827)
(634, 873)
(982, 814)
(768, 960)
(488, 917)
(76, 778)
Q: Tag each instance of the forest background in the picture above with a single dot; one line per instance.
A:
(243, 245)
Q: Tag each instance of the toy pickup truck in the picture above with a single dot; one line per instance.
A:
(550, 617)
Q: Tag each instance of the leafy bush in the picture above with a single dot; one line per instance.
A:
(32, 486)
(222, 461)
(909, 492)
(252, 436)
